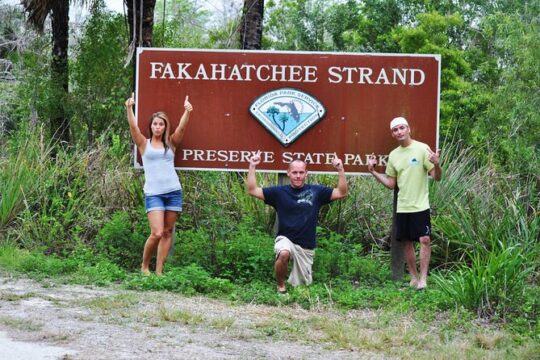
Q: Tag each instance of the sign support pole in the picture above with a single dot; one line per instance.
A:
(397, 262)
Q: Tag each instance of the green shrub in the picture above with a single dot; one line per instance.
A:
(120, 241)
(191, 246)
(101, 273)
(189, 280)
(247, 255)
(11, 256)
(41, 266)
(526, 321)
(242, 253)
(339, 257)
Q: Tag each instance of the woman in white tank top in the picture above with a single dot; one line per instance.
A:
(162, 189)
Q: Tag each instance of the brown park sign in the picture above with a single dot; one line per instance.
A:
(288, 105)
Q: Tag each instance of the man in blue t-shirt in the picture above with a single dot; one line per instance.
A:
(297, 206)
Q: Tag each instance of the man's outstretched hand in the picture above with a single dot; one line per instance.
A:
(337, 163)
(255, 159)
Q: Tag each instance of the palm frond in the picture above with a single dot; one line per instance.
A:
(37, 11)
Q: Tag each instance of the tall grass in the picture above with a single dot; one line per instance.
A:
(495, 210)
(489, 225)
(364, 216)
(461, 172)
(492, 283)
(82, 191)
(58, 204)
(22, 168)
(500, 250)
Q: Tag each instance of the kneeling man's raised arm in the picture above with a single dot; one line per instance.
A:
(252, 187)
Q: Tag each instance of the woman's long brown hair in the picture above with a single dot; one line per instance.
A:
(165, 136)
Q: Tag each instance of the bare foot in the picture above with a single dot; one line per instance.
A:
(413, 283)
(145, 271)
(421, 285)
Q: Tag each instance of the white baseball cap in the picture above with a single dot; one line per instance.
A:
(398, 121)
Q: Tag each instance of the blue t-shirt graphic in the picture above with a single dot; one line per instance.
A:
(298, 211)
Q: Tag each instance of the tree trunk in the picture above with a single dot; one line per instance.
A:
(251, 25)
(250, 30)
(59, 70)
(143, 35)
(141, 28)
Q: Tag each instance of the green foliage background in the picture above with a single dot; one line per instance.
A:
(79, 210)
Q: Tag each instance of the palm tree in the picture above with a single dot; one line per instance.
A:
(37, 11)
(141, 27)
(283, 118)
(272, 111)
(251, 25)
(141, 21)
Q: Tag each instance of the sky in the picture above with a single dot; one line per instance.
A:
(117, 5)
(219, 9)
(210, 5)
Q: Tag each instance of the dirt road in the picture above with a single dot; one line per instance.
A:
(44, 320)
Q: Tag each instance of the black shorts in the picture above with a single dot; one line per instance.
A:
(412, 226)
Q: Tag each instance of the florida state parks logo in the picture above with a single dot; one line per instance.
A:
(287, 113)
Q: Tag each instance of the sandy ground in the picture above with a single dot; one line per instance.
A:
(43, 320)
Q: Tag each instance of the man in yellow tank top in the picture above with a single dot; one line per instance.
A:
(408, 168)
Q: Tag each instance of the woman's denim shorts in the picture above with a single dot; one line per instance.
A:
(165, 202)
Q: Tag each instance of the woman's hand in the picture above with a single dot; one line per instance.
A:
(130, 101)
(187, 104)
